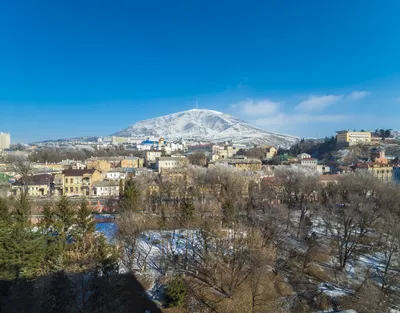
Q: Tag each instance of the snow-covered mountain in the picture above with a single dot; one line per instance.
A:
(207, 126)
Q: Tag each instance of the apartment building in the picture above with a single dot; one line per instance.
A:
(349, 138)
(36, 185)
(310, 163)
(76, 182)
(241, 164)
(170, 163)
(5, 141)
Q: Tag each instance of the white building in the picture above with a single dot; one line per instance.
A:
(5, 141)
(106, 188)
(116, 174)
(310, 163)
(152, 155)
(169, 163)
(303, 156)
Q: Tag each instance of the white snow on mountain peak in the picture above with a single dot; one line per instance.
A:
(207, 126)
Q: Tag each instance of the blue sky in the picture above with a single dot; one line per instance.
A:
(308, 68)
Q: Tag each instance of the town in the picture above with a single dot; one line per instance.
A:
(46, 175)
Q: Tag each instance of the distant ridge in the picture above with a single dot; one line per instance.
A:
(205, 125)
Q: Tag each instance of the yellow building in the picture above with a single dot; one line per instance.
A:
(270, 152)
(131, 162)
(100, 165)
(348, 138)
(382, 172)
(36, 185)
(76, 182)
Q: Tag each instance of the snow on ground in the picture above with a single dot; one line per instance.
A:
(334, 291)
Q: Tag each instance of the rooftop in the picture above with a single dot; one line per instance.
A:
(82, 172)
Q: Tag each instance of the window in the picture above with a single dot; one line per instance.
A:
(66, 180)
(71, 189)
(76, 189)
(71, 180)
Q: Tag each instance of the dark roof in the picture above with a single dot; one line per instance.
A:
(40, 179)
(82, 172)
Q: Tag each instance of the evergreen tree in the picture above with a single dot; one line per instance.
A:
(22, 248)
(105, 257)
(84, 219)
(48, 217)
(186, 212)
(130, 200)
(4, 210)
(175, 293)
(65, 218)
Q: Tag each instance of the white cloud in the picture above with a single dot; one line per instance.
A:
(257, 107)
(357, 95)
(317, 103)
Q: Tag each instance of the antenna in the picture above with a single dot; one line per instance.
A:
(197, 103)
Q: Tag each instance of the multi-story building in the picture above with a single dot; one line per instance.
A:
(170, 163)
(106, 188)
(152, 155)
(131, 162)
(76, 182)
(349, 138)
(99, 165)
(378, 156)
(116, 174)
(35, 186)
(310, 163)
(241, 164)
(382, 172)
(5, 141)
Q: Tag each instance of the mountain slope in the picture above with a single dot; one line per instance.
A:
(205, 125)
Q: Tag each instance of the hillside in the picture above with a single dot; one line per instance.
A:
(205, 125)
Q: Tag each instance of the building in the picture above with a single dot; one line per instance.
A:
(152, 155)
(5, 141)
(310, 163)
(36, 185)
(99, 165)
(396, 174)
(116, 174)
(170, 163)
(382, 172)
(378, 156)
(223, 152)
(131, 162)
(106, 188)
(241, 164)
(270, 152)
(348, 138)
(76, 182)
(303, 156)
(329, 179)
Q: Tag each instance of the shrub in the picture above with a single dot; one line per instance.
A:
(175, 293)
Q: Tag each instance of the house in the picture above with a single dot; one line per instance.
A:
(223, 152)
(303, 156)
(170, 163)
(378, 156)
(241, 164)
(76, 182)
(270, 152)
(325, 180)
(106, 188)
(310, 163)
(351, 138)
(116, 174)
(36, 185)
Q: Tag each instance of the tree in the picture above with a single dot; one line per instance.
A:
(65, 219)
(175, 293)
(58, 297)
(84, 219)
(197, 158)
(130, 200)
